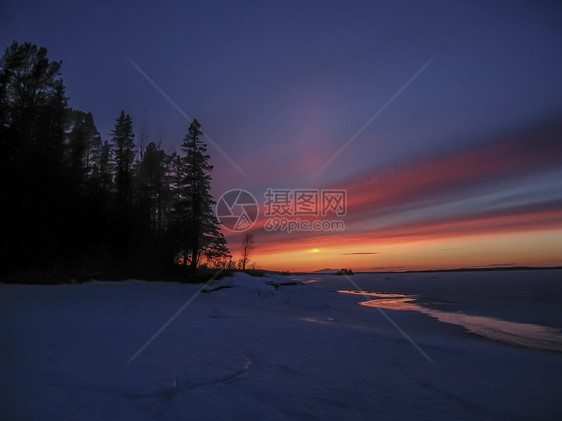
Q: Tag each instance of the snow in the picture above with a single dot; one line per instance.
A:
(252, 348)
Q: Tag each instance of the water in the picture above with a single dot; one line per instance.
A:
(522, 308)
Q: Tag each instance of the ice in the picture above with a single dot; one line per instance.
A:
(254, 349)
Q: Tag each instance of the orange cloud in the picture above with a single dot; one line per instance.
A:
(437, 178)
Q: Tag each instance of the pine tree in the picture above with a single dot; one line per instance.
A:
(83, 142)
(32, 163)
(123, 156)
(152, 187)
(202, 235)
(104, 168)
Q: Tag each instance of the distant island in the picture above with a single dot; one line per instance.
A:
(326, 270)
(331, 271)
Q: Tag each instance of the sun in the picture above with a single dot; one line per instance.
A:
(315, 250)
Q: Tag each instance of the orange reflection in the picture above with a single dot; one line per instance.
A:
(528, 335)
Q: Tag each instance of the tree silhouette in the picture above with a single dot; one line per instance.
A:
(123, 156)
(247, 247)
(32, 177)
(75, 202)
(153, 191)
(202, 235)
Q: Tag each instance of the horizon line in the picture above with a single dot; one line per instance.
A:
(459, 269)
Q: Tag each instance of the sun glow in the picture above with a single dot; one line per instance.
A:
(539, 248)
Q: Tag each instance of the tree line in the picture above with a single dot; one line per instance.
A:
(73, 202)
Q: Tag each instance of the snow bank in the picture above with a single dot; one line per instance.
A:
(244, 284)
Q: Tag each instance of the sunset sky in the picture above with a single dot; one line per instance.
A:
(442, 120)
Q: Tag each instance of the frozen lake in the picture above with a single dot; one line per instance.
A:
(522, 308)
(525, 296)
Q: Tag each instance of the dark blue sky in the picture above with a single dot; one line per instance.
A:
(281, 86)
(272, 73)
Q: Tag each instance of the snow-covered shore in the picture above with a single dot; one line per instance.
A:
(252, 350)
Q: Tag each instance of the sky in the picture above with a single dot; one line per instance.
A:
(440, 120)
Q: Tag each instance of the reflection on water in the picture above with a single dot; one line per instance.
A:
(521, 334)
